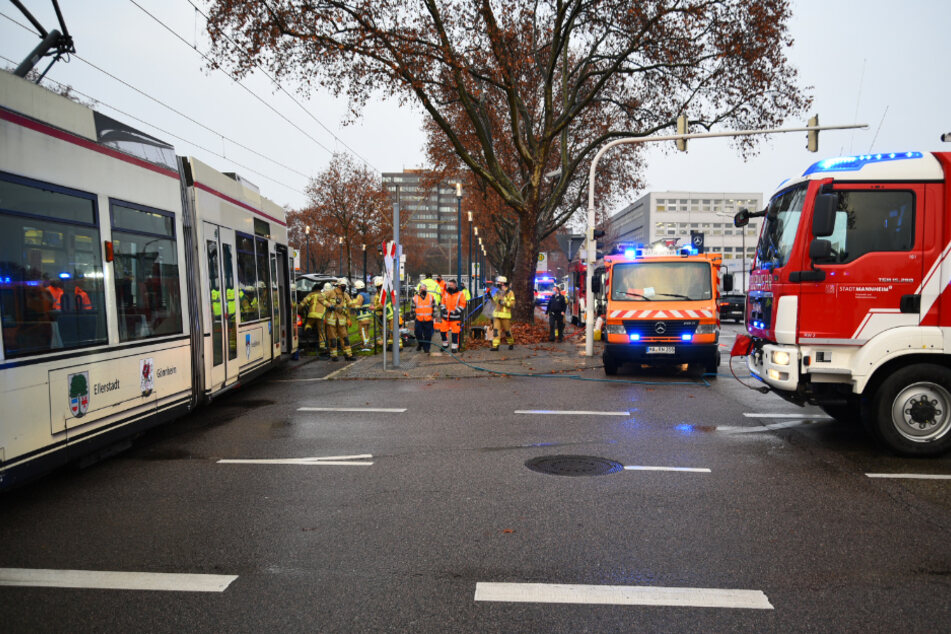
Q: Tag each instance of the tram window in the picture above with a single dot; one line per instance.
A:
(147, 285)
(229, 293)
(264, 290)
(247, 278)
(51, 295)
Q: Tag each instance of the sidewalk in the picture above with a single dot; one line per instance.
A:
(542, 358)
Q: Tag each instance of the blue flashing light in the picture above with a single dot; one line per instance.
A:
(855, 163)
(635, 337)
(686, 336)
(7, 280)
(630, 254)
(64, 276)
(33, 283)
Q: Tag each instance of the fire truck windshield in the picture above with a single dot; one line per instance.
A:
(782, 222)
(661, 281)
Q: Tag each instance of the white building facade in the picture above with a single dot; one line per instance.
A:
(658, 217)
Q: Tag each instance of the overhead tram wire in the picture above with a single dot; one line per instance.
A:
(167, 133)
(294, 99)
(234, 79)
(182, 114)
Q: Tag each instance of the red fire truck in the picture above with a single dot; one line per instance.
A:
(848, 305)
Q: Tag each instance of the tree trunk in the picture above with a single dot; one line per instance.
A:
(523, 282)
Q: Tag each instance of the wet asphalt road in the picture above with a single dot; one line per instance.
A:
(403, 544)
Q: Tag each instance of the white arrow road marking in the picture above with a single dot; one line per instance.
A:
(109, 580)
(622, 595)
(684, 469)
(326, 461)
(910, 476)
(388, 410)
(570, 412)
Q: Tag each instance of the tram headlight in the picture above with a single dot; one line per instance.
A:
(780, 357)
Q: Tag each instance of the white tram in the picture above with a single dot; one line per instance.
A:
(134, 284)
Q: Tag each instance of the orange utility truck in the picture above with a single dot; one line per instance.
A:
(661, 308)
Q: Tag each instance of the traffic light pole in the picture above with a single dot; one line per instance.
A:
(591, 255)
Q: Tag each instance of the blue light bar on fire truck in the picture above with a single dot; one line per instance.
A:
(855, 163)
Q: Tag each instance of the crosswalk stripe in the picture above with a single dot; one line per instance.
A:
(111, 580)
(622, 595)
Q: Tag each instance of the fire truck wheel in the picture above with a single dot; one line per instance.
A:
(912, 410)
(711, 366)
(610, 365)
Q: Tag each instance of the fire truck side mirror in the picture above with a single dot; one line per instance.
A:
(742, 218)
(820, 250)
(727, 282)
(823, 215)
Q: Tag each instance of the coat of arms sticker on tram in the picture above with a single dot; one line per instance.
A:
(78, 393)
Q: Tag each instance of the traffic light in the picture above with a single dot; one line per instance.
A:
(812, 136)
(682, 129)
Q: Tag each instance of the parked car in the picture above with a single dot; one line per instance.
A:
(732, 306)
(306, 282)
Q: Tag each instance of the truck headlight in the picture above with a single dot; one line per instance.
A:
(706, 329)
(780, 357)
(615, 329)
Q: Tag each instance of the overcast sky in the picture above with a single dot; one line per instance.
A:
(868, 61)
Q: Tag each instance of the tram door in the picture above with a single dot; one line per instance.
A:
(286, 320)
(220, 336)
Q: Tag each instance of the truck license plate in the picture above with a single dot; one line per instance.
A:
(660, 349)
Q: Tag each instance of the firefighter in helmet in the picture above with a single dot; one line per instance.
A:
(503, 302)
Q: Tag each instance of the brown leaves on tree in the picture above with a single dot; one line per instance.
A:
(522, 93)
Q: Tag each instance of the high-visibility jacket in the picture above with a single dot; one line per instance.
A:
(314, 307)
(378, 307)
(432, 288)
(467, 294)
(424, 307)
(216, 302)
(229, 294)
(455, 304)
(57, 294)
(504, 303)
(442, 287)
(338, 303)
(82, 299)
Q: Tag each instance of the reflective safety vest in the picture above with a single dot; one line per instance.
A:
(82, 299)
(455, 304)
(216, 302)
(57, 294)
(433, 288)
(503, 305)
(362, 304)
(424, 307)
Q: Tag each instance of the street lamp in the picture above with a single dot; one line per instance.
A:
(307, 233)
(469, 268)
(475, 287)
(459, 231)
(364, 247)
(340, 258)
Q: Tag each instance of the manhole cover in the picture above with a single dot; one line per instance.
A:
(574, 465)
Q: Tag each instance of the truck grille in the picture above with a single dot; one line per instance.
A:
(660, 329)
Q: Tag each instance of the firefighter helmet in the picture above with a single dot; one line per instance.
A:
(501, 279)
(359, 285)
(327, 287)
(378, 281)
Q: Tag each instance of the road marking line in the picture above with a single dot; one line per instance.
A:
(570, 412)
(110, 580)
(686, 469)
(795, 415)
(772, 426)
(385, 410)
(622, 595)
(910, 476)
(326, 461)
